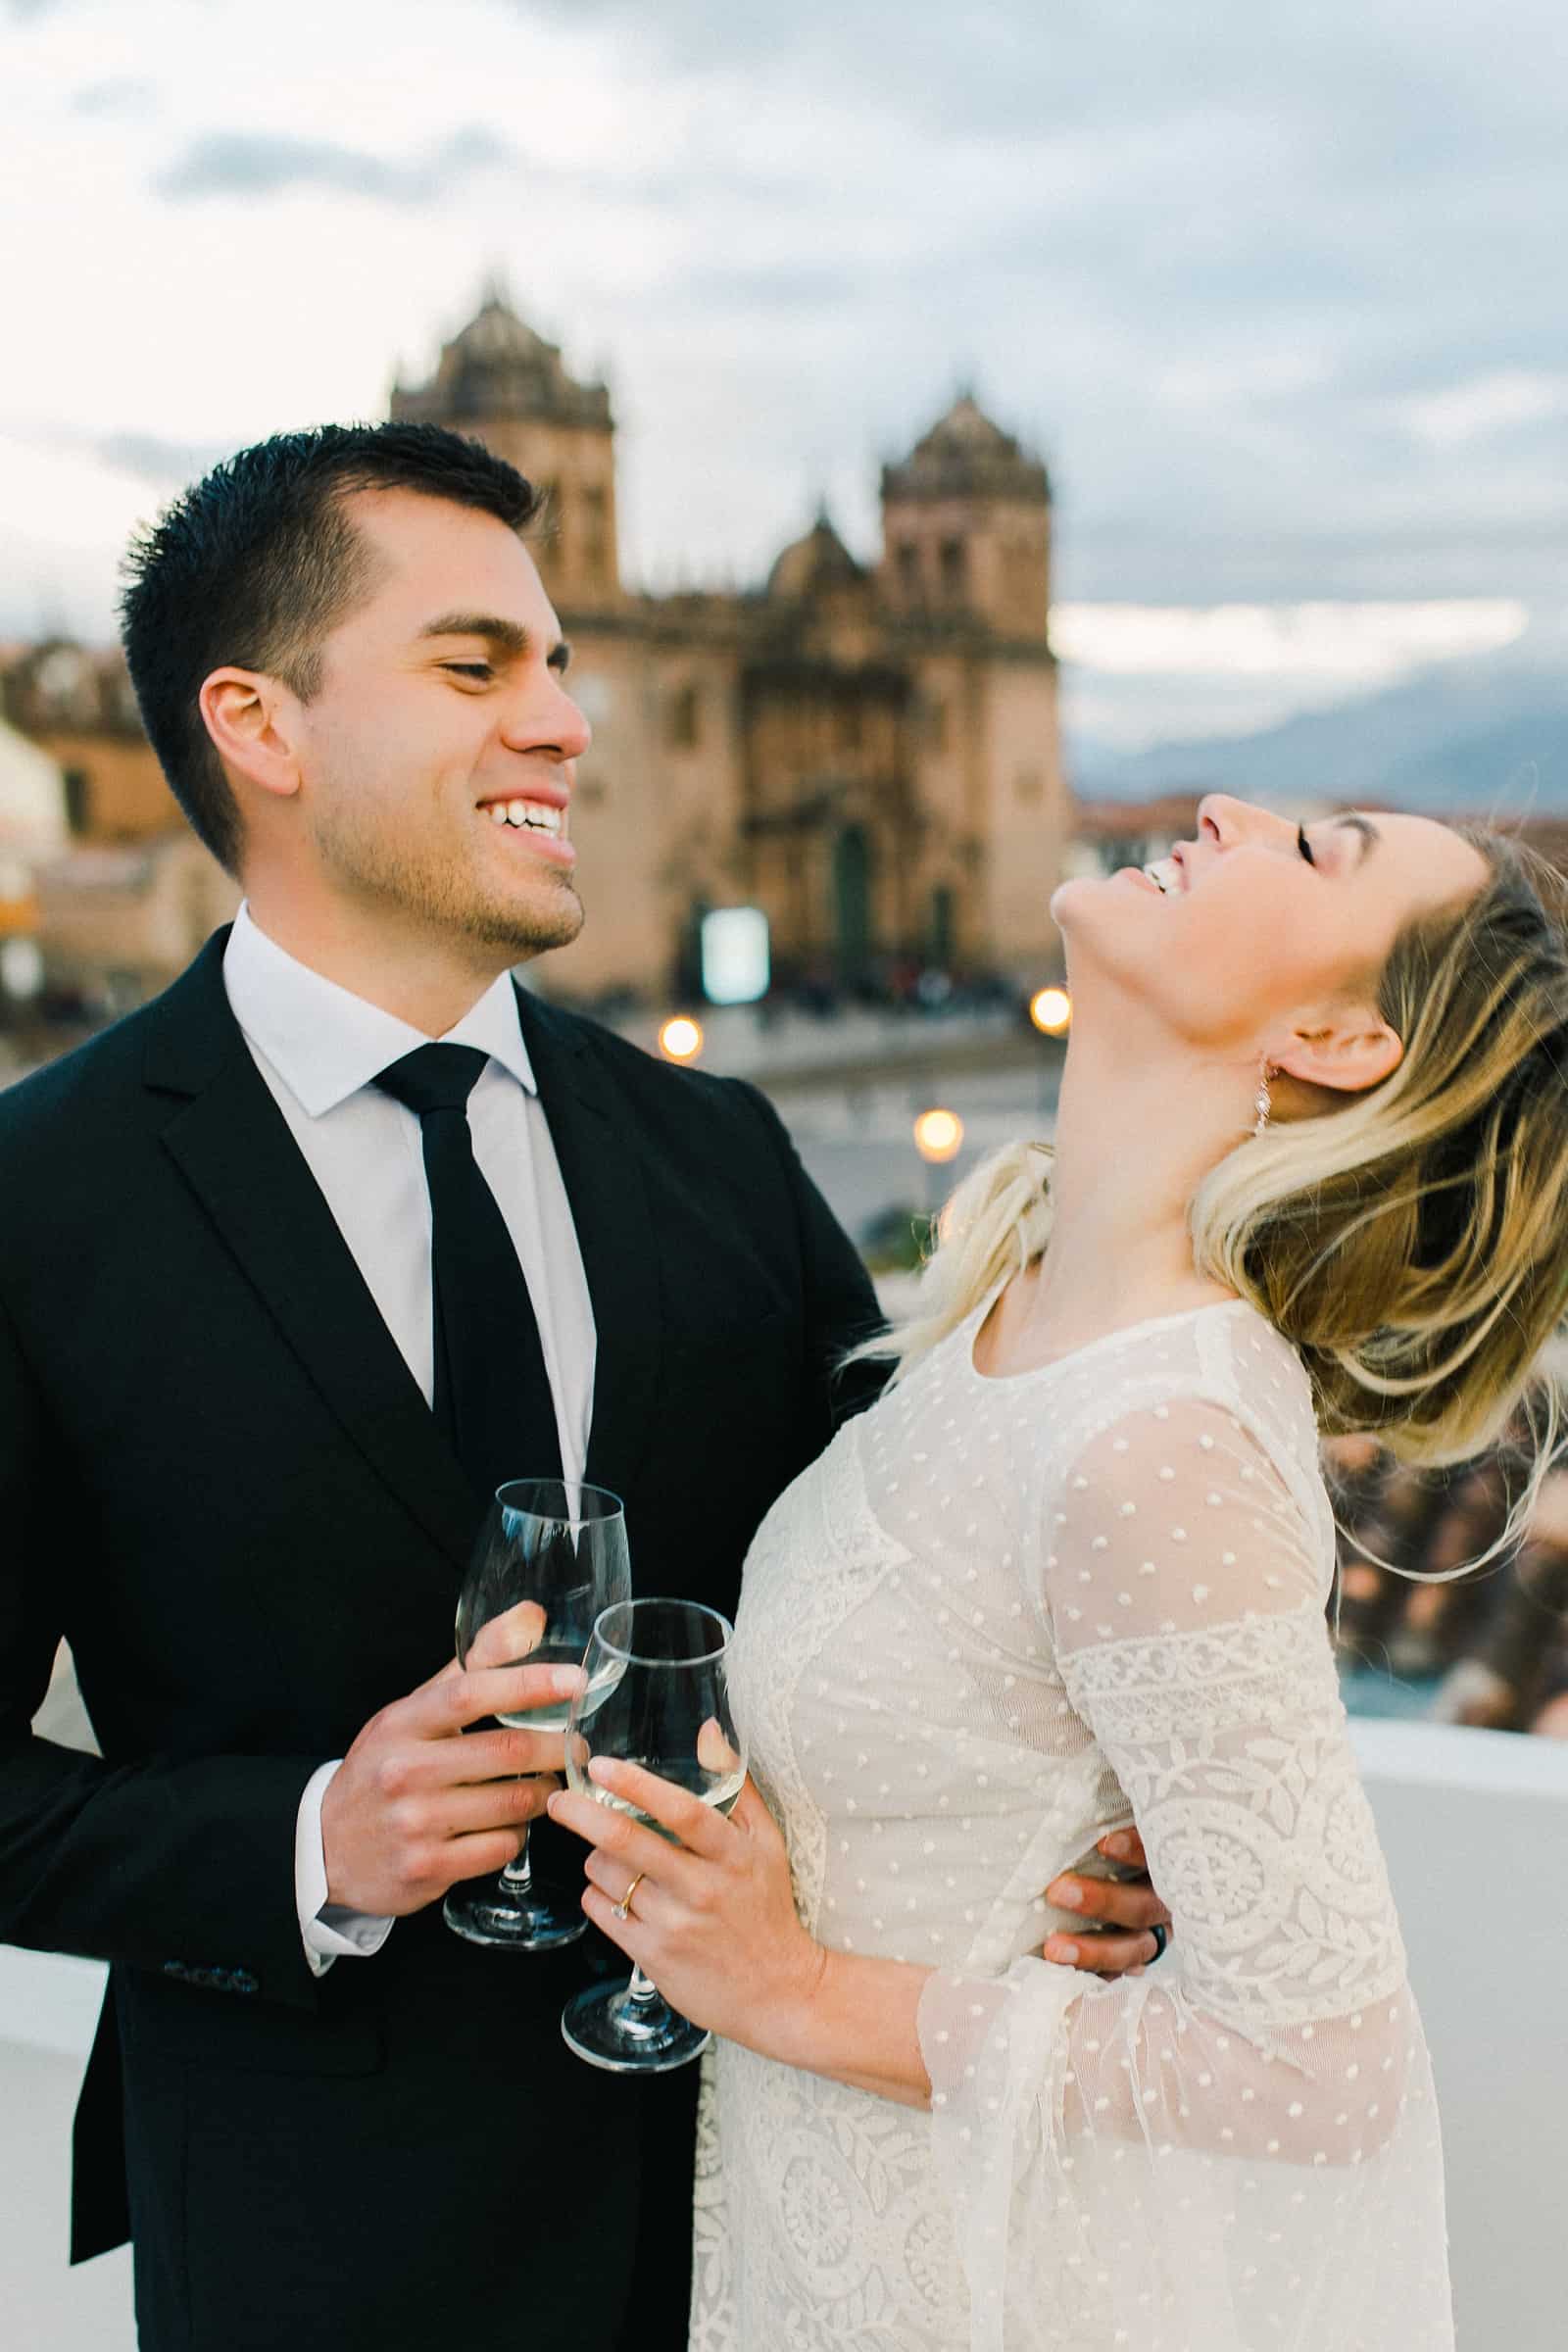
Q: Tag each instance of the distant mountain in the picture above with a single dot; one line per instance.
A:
(1488, 734)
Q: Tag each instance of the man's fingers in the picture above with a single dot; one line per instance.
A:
(501, 1755)
(1124, 1845)
(443, 1674)
(454, 1701)
(481, 1856)
(1104, 1953)
(1118, 1903)
(509, 1639)
(498, 1805)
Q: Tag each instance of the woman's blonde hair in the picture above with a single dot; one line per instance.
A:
(1412, 1242)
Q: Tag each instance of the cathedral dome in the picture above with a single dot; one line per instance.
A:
(819, 560)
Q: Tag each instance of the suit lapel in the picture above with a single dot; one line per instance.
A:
(233, 1148)
(598, 1149)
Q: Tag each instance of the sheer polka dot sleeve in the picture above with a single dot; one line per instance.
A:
(1237, 2147)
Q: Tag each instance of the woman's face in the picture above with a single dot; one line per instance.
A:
(1259, 924)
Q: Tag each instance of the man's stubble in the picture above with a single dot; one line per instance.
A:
(369, 865)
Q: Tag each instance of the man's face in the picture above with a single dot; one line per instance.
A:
(441, 706)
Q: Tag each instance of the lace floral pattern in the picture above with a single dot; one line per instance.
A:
(996, 1619)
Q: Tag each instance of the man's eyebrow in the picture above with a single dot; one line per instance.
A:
(503, 636)
(1370, 836)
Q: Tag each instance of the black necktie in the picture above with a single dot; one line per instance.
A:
(492, 1391)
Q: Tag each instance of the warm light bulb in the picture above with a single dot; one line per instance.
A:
(681, 1039)
(1051, 1010)
(939, 1134)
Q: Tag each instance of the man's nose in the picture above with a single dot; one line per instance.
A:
(556, 726)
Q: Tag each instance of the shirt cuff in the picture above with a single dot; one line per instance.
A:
(330, 1931)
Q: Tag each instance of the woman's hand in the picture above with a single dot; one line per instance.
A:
(713, 1919)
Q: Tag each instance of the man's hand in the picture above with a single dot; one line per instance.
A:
(415, 1806)
(1127, 1906)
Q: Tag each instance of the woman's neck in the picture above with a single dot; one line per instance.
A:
(1137, 1131)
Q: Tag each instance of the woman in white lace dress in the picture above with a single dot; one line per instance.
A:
(1071, 1573)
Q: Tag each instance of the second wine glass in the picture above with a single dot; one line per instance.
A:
(549, 1558)
(656, 1693)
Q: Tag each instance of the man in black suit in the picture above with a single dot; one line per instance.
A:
(241, 1463)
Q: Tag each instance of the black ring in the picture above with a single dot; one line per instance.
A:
(1162, 1938)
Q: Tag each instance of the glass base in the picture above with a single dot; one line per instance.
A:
(607, 2029)
(486, 1911)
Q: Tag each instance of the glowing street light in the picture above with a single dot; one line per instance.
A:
(681, 1039)
(1051, 1010)
(938, 1136)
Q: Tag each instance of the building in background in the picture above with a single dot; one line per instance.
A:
(867, 752)
(128, 894)
(32, 830)
(32, 809)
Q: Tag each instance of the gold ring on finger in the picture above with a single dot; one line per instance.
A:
(623, 1909)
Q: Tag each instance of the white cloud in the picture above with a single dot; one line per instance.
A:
(1140, 675)
(1350, 645)
(1486, 404)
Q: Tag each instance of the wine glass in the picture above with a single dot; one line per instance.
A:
(654, 1693)
(551, 1556)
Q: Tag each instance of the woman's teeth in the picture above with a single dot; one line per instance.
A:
(531, 813)
(1165, 876)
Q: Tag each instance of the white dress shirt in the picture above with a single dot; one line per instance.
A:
(319, 1047)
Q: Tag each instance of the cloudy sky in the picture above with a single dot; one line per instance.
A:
(1279, 295)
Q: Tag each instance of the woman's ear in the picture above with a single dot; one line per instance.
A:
(248, 715)
(1348, 1050)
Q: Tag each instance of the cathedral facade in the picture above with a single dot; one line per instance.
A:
(868, 753)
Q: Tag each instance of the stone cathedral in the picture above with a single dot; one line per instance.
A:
(868, 755)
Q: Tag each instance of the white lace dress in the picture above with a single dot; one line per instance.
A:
(996, 1619)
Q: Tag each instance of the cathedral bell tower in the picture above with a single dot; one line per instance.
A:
(503, 384)
(966, 528)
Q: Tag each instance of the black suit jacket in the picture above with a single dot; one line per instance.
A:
(219, 1481)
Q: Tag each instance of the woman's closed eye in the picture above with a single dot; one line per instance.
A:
(1304, 845)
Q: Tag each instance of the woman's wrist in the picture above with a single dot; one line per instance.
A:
(787, 2019)
(853, 2019)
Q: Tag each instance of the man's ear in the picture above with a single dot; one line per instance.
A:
(1348, 1050)
(250, 718)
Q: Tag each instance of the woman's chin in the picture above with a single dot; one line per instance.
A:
(1066, 896)
(1077, 895)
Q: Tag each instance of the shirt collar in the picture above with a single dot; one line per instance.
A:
(325, 1043)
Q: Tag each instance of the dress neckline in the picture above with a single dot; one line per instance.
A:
(970, 1331)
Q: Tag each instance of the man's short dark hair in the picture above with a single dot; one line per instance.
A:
(256, 564)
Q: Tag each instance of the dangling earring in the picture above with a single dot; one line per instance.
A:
(1262, 1100)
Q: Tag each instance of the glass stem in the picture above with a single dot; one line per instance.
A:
(642, 1989)
(518, 1877)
